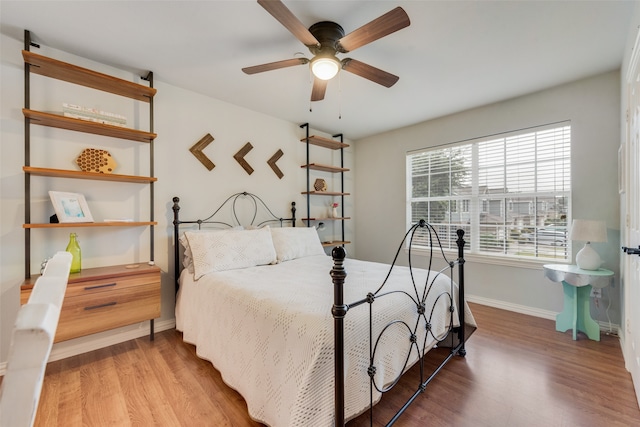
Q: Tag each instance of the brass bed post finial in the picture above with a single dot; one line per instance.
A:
(339, 310)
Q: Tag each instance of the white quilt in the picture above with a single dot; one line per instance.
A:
(269, 331)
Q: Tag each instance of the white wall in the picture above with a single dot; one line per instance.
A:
(181, 119)
(593, 107)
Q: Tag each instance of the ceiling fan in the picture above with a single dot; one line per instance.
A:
(325, 39)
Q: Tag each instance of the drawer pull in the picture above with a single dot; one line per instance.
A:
(93, 307)
(107, 285)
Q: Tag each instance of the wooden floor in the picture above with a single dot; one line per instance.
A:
(518, 372)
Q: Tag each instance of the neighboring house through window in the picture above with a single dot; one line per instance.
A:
(511, 193)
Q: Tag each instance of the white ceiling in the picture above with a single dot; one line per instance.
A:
(455, 55)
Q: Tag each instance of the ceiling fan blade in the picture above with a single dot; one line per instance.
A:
(275, 65)
(384, 25)
(319, 88)
(278, 10)
(369, 72)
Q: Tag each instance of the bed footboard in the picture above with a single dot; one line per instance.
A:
(340, 310)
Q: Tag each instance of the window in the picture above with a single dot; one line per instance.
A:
(511, 193)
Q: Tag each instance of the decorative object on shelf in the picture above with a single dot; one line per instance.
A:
(272, 163)
(239, 156)
(320, 185)
(70, 207)
(74, 249)
(93, 115)
(588, 231)
(334, 210)
(196, 150)
(95, 160)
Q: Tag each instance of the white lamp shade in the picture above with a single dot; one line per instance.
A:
(584, 230)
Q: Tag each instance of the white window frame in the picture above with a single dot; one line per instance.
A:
(541, 252)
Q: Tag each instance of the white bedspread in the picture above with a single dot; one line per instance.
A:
(269, 331)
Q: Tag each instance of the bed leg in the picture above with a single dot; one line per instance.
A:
(339, 310)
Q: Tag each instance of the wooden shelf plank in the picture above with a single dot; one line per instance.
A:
(324, 193)
(92, 224)
(62, 173)
(325, 142)
(61, 122)
(82, 76)
(325, 168)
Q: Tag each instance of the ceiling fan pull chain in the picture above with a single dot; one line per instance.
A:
(311, 79)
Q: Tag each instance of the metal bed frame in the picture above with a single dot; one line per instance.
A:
(455, 335)
(423, 319)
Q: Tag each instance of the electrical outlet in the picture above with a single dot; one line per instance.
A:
(596, 293)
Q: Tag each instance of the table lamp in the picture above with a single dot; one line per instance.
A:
(588, 231)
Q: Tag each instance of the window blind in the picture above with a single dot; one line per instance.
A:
(510, 193)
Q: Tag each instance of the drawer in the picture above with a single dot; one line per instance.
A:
(96, 312)
(116, 284)
(103, 298)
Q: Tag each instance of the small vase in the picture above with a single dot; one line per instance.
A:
(74, 248)
(334, 213)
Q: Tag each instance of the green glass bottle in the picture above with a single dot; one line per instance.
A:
(74, 249)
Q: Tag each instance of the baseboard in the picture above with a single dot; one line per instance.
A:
(62, 352)
(605, 327)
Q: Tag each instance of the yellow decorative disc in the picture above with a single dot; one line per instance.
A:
(94, 160)
(320, 185)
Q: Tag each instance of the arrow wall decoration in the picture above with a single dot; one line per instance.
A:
(239, 156)
(272, 162)
(197, 148)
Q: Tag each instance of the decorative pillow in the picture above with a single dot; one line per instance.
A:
(296, 242)
(229, 249)
(187, 258)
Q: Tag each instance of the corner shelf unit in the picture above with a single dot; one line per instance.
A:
(34, 63)
(331, 144)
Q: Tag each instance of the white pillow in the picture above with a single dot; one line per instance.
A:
(296, 242)
(187, 259)
(230, 249)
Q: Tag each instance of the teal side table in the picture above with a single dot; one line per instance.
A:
(577, 284)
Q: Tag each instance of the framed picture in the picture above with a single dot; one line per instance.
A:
(70, 207)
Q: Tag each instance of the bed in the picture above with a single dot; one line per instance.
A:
(309, 339)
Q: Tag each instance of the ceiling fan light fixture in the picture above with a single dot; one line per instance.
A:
(325, 67)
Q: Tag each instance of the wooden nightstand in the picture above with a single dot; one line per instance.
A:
(99, 299)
